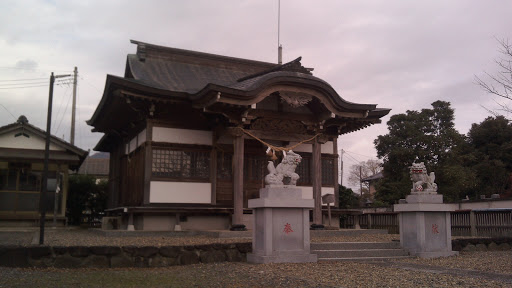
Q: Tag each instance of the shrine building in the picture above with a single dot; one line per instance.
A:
(188, 135)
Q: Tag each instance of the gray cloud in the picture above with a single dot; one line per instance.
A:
(402, 55)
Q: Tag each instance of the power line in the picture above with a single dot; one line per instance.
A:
(63, 113)
(30, 85)
(28, 79)
(24, 87)
(360, 154)
(90, 84)
(22, 84)
(32, 69)
(348, 154)
(9, 112)
(59, 109)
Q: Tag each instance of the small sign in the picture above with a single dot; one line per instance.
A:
(287, 228)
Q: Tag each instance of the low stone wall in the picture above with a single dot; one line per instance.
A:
(115, 257)
(482, 244)
(150, 256)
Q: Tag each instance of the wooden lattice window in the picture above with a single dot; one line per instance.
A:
(224, 166)
(181, 164)
(304, 171)
(328, 172)
(255, 168)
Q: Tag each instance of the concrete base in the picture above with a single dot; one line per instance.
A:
(424, 198)
(281, 226)
(130, 228)
(425, 228)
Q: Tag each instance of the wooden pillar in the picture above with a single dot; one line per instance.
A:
(213, 168)
(238, 183)
(316, 178)
(148, 162)
(336, 172)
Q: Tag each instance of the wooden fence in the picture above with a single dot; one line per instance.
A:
(485, 223)
(482, 223)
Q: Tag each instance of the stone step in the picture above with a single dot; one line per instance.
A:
(354, 245)
(360, 253)
(347, 232)
(362, 259)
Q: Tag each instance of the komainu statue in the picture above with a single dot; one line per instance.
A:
(284, 173)
(421, 181)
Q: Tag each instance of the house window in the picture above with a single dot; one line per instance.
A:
(180, 164)
(20, 188)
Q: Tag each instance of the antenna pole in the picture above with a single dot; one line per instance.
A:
(278, 22)
(279, 47)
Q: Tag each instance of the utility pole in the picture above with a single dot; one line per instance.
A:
(42, 196)
(341, 164)
(73, 108)
(360, 179)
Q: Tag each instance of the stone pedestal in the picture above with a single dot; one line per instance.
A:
(281, 226)
(425, 225)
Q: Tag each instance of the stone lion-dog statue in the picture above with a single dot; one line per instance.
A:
(284, 173)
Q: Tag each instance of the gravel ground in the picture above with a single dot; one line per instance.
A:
(85, 237)
(341, 274)
(469, 269)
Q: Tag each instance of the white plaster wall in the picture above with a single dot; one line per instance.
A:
(327, 148)
(141, 138)
(180, 192)
(183, 136)
(307, 191)
(133, 144)
(224, 139)
(21, 142)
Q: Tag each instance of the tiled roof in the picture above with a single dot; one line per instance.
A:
(96, 167)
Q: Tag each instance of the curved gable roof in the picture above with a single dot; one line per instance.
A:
(170, 74)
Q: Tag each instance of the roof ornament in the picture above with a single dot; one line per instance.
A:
(295, 99)
(22, 120)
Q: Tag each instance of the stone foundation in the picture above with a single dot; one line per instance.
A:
(118, 257)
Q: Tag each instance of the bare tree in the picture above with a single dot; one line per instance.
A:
(363, 170)
(500, 84)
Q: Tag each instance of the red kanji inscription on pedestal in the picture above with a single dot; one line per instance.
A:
(287, 228)
(434, 229)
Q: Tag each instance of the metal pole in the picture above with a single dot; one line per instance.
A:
(42, 198)
(72, 136)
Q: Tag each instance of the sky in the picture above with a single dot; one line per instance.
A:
(402, 55)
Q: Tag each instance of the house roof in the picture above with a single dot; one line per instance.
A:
(67, 153)
(95, 166)
(374, 177)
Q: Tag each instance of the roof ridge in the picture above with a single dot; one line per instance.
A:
(143, 48)
(279, 68)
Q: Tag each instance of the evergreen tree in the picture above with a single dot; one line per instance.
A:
(428, 136)
(491, 157)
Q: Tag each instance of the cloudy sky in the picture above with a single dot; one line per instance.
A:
(402, 55)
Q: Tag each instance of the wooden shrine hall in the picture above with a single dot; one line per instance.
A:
(188, 134)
